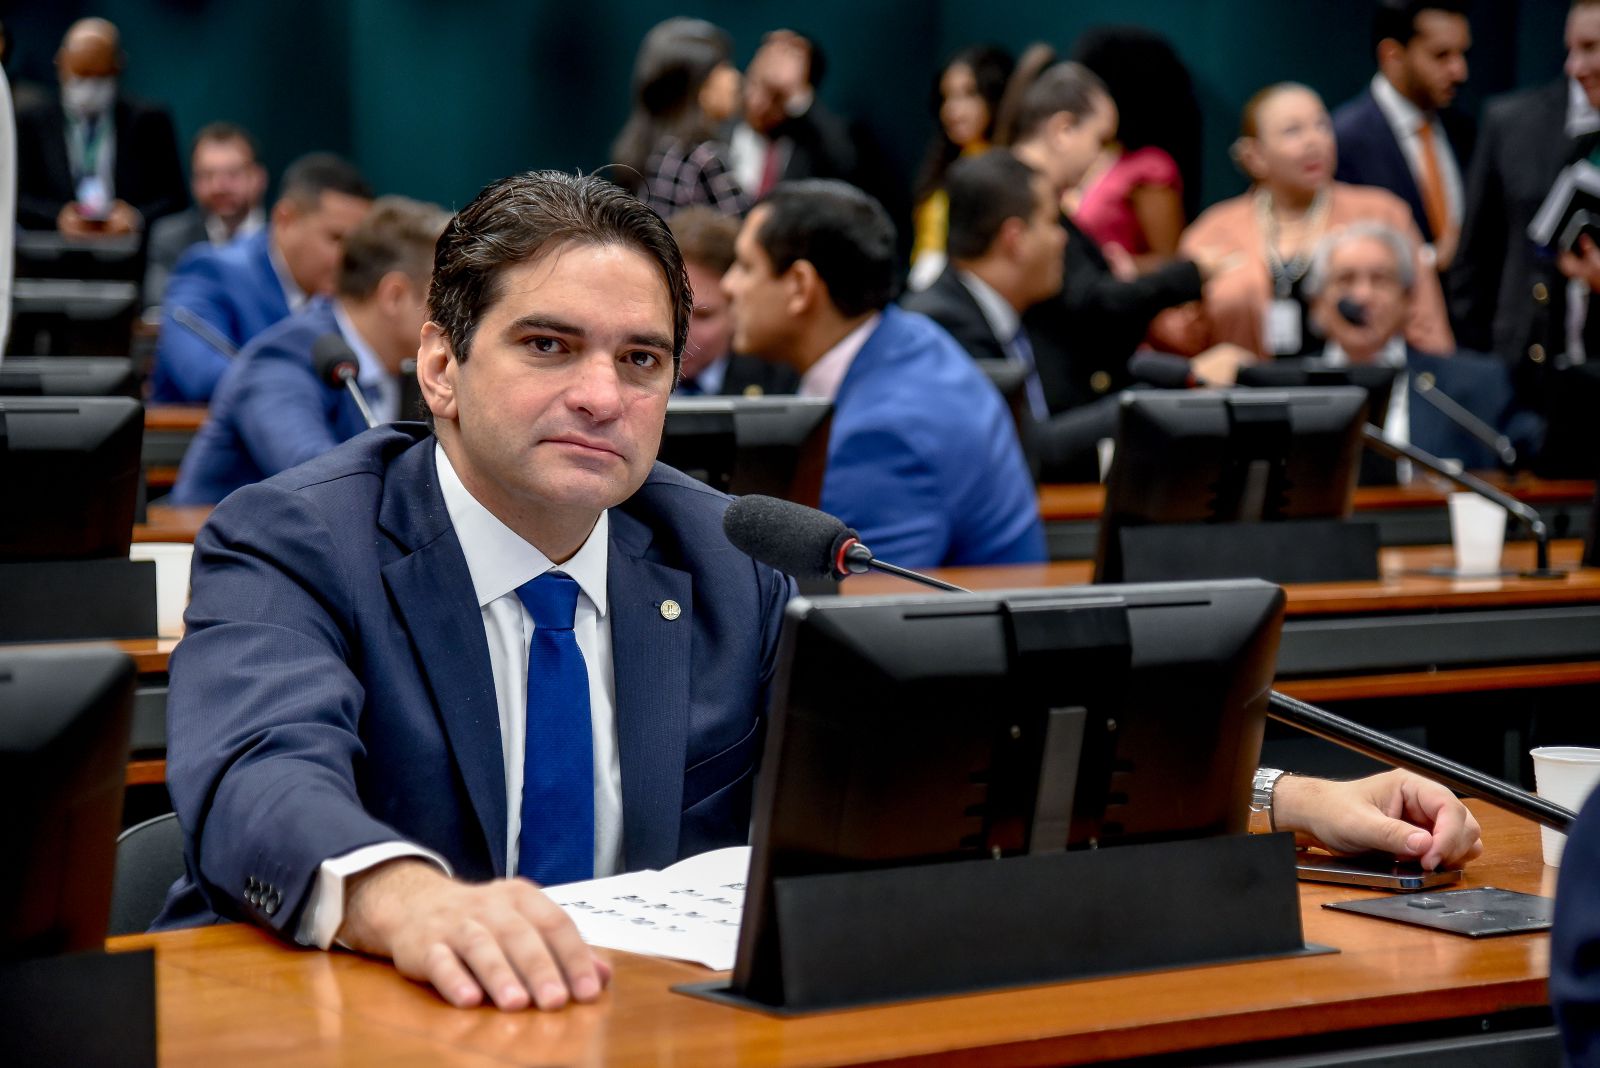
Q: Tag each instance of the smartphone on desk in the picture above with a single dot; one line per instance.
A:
(1376, 871)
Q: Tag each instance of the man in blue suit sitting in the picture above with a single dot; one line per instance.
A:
(1370, 266)
(271, 411)
(923, 457)
(218, 299)
(426, 673)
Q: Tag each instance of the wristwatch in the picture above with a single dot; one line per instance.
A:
(1262, 788)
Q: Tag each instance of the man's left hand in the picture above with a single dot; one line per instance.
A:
(1396, 812)
(1584, 264)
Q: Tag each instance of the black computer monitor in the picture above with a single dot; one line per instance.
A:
(777, 446)
(1379, 382)
(64, 720)
(936, 727)
(70, 470)
(1233, 483)
(68, 376)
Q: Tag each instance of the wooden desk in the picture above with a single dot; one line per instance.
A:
(1413, 514)
(168, 429)
(172, 522)
(233, 995)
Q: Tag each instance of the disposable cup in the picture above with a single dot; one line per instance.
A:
(1565, 775)
(172, 561)
(1477, 533)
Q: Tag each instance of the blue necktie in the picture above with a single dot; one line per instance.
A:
(557, 841)
(1022, 349)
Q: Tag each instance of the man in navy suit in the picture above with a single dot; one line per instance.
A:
(923, 457)
(1401, 133)
(390, 648)
(1575, 940)
(271, 411)
(1370, 266)
(218, 299)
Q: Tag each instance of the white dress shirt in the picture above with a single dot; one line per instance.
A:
(381, 388)
(1405, 120)
(218, 234)
(292, 292)
(1397, 421)
(499, 561)
(824, 377)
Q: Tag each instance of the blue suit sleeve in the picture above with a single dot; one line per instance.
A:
(1575, 940)
(879, 484)
(263, 710)
(279, 412)
(188, 365)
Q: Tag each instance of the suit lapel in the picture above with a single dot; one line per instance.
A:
(650, 665)
(433, 594)
(1396, 163)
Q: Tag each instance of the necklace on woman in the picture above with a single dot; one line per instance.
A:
(1286, 273)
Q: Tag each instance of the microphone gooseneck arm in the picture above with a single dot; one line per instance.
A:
(1452, 410)
(349, 379)
(1460, 778)
(1472, 484)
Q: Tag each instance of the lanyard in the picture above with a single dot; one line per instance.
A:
(1285, 275)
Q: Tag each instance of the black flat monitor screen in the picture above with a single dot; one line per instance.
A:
(1379, 382)
(64, 718)
(1230, 456)
(777, 446)
(68, 376)
(70, 470)
(941, 727)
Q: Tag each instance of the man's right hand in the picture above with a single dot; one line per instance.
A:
(504, 939)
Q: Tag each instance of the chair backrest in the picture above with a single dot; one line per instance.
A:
(149, 861)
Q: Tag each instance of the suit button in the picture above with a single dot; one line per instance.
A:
(1536, 353)
(270, 906)
(1541, 293)
(1099, 381)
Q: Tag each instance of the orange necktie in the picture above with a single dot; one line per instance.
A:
(1432, 186)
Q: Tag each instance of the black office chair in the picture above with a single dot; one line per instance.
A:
(149, 861)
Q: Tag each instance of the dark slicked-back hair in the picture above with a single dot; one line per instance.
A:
(1396, 20)
(521, 218)
(839, 230)
(307, 178)
(984, 192)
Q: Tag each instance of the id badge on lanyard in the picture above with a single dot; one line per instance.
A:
(1282, 327)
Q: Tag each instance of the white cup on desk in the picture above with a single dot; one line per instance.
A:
(1477, 533)
(1565, 775)
(172, 561)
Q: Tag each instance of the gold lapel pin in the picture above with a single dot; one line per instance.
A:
(670, 610)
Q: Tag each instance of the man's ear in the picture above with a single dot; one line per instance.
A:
(803, 288)
(437, 368)
(1009, 238)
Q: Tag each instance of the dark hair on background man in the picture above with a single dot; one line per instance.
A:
(841, 231)
(705, 236)
(398, 234)
(519, 219)
(984, 192)
(1396, 20)
(307, 178)
(225, 131)
(1042, 87)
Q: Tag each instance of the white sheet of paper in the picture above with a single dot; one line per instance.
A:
(690, 911)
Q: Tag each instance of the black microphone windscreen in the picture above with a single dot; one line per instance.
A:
(789, 537)
(1352, 311)
(329, 354)
(1162, 370)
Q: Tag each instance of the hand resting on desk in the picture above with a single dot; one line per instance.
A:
(504, 939)
(1395, 812)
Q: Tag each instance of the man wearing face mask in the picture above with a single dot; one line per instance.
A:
(94, 161)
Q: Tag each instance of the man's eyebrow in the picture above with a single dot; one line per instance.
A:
(553, 325)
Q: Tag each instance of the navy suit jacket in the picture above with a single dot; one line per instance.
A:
(270, 412)
(923, 457)
(1480, 384)
(333, 689)
(1369, 154)
(1575, 940)
(237, 293)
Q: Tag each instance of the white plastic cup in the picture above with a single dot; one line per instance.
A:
(1565, 775)
(1477, 533)
(172, 561)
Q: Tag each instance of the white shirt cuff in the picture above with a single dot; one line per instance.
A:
(324, 912)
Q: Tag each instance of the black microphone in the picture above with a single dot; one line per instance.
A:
(1352, 311)
(336, 365)
(806, 543)
(1164, 371)
(1428, 389)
